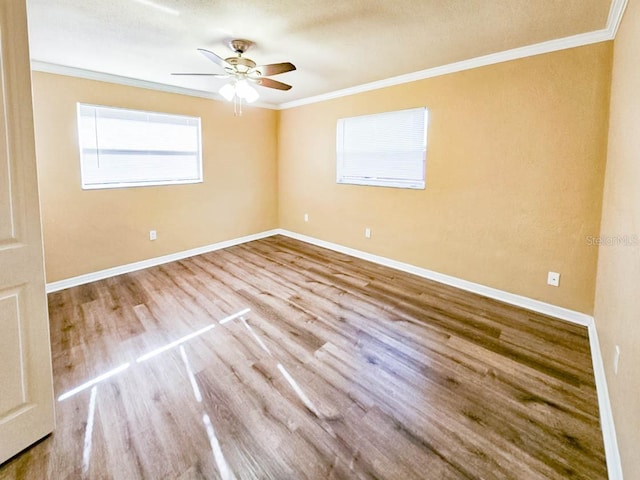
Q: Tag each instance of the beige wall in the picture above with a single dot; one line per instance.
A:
(617, 310)
(90, 230)
(515, 165)
(516, 161)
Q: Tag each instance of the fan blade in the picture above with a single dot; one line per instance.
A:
(275, 68)
(214, 58)
(269, 83)
(217, 75)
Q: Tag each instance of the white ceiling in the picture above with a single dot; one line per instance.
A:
(335, 44)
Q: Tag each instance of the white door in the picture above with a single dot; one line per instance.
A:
(26, 386)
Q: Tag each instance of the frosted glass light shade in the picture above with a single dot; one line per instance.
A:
(246, 91)
(228, 91)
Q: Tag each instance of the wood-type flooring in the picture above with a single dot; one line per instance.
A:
(280, 360)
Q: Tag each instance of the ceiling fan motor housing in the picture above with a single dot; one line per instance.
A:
(244, 64)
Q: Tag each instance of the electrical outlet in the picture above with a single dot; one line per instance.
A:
(306, 217)
(153, 235)
(553, 279)
(367, 232)
(616, 359)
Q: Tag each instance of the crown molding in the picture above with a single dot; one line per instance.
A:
(616, 13)
(608, 33)
(46, 67)
(491, 59)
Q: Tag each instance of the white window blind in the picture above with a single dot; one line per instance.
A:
(124, 148)
(384, 149)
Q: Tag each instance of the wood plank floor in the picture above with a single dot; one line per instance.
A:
(341, 369)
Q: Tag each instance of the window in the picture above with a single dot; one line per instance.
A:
(126, 148)
(385, 149)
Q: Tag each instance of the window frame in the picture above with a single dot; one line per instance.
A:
(413, 184)
(142, 183)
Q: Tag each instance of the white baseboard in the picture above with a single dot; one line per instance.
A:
(614, 466)
(152, 262)
(606, 416)
(506, 297)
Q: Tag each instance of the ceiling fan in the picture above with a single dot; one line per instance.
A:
(243, 70)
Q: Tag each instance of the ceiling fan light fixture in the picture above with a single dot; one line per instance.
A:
(239, 90)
